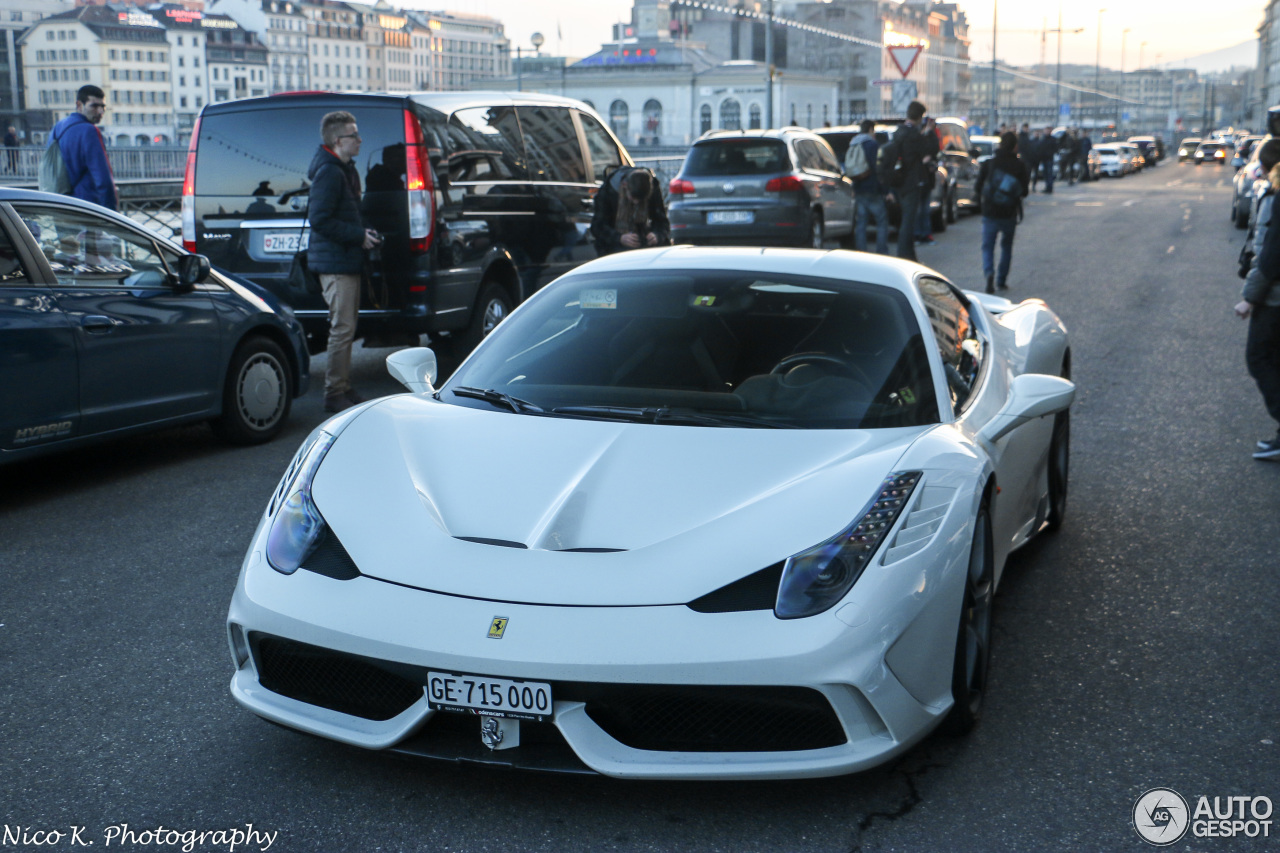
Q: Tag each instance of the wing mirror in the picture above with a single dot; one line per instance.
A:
(414, 368)
(192, 269)
(1031, 396)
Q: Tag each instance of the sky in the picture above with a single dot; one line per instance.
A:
(1172, 29)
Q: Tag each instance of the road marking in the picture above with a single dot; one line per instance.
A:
(1090, 204)
(1170, 252)
(1131, 202)
(1174, 183)
(1186, 228)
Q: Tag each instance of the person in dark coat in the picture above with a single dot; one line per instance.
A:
(910, 146)
(11, 142)
(336, 250)
(1260, 301)
(84, 152)
(1000, 214)
(629, 213)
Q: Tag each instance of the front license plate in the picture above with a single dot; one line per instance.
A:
(497, 697)
(285, 243)
(731, 217)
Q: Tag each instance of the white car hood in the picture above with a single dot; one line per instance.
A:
(688, 509)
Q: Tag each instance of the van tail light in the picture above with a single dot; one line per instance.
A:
(679, 186)
(787, 183)
(422, 214)
(189, 193)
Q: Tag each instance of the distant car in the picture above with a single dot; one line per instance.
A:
(1244, 148)
(1093, 165)
(107, 329)
(986, 147)
(760, 188)
(1211, 152)
(1137, 162)
(1245, 184)
(688, 513)
(1114, 160)
(1146, 145)
(961, 165)
(1187, 148)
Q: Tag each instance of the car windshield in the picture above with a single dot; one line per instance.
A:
(737, 157)
(985, 148)
(707, 348)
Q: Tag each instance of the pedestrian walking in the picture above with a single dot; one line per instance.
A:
(1086, 145)
(1260, 301)
(83, 151)
(11, 143)
(1003, 182)
(1048, 147)
(336, 251)
(928, 182)
(868, 193)
(900, 168)
(1068, 152)
(629, 212)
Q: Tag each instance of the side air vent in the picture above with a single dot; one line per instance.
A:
(331, 559)
(757, 591)
(923, 520)
(501, 543)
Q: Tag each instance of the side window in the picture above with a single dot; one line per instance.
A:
(827, 157)
(807, 156)
(551, 143)
(11, 271)
(603, 150)
(955, 336)
(484, 144)
(86, 249)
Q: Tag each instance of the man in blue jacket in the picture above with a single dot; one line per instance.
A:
(868, 193)
(84, 152)
(336, 249)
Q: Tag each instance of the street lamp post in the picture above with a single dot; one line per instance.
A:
(995, 14)
(1124, 42)
(1057, 89)
(768, 69)
(1097, 74)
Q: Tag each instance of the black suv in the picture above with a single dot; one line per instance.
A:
(481, 197)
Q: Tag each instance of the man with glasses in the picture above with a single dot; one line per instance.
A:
(336, 250)
(83, 151)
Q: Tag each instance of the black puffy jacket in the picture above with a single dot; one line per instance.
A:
(604, 216)
(337, 231)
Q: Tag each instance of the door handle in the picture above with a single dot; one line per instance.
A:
(96, 324)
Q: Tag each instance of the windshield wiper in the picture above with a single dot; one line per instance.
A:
(496, 397)
(664, 414)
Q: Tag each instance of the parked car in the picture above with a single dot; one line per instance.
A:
(1246, 183)
(961, 163)
(1244, 148)
(1137, 162)
(1093, 165)
(481, 198)
(1147, 146)
(985, 146)
(1187, 148)
(1211, 152)
(760, 188)
(1113, 160)
(942, 198)
(765, 500)
(107, 329)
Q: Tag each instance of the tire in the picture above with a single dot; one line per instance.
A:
(1241, 219)
(1059, 469)
(973, 640)
(938, 218)
(816, 232)
(951, 209)
(491, 308)
(257, 394)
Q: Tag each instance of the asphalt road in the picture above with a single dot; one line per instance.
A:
(1136, 649)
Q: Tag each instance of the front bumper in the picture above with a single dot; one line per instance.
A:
(844, 690)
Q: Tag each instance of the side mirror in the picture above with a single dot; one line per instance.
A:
(192, 269)
(1031, 396)
(414, 368)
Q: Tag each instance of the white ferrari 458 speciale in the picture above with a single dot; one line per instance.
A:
(687, 513)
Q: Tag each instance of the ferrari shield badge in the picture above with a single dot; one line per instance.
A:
(497, 627)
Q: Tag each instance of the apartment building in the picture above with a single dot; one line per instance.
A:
(15, 18)
(188, 72)
(337, 47)
(281, 27)
(236, 60)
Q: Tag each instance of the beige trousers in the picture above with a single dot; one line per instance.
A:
(342, 293)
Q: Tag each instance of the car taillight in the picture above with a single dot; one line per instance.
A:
(787, 183)
(189, 193)
(421, 186)
(679, 186)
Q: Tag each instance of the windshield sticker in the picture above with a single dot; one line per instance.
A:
(599, 299)
(703, 301)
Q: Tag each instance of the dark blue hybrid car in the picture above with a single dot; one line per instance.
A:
(107, 329)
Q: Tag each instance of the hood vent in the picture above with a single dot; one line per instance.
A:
(507, 543)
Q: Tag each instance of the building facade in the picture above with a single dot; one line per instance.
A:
(15, 18)
(236, 60)
(281, 27)
(336, 42)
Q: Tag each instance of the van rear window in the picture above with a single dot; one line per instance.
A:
(735, 157)
(267, 153)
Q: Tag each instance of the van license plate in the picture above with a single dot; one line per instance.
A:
(284, 242)
(731, 217)
(497, 697)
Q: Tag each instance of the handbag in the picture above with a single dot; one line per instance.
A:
(301, 278)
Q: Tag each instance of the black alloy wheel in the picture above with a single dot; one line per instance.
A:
(973, 641)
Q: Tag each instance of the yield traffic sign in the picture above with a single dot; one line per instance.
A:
(905, 57)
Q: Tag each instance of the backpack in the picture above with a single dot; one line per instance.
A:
(890, 169)
(1000, 194)
(855, 161)
(53, 169)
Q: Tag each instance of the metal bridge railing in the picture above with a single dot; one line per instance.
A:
(22, 164)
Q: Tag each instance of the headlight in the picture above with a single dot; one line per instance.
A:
(297, 526)
(816, 579)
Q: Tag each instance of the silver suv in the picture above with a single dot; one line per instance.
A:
(760, 187)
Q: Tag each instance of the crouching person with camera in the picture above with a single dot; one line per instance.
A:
(336, 251)
(629, 212)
